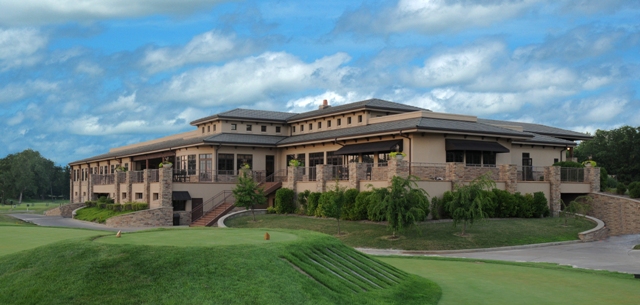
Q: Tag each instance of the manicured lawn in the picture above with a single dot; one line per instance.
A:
(433, 236)
(495, 283)
(15, 238)
(34, 207)
(198, 237)
(96, 214)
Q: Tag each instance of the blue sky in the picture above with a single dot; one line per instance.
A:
(78, 77)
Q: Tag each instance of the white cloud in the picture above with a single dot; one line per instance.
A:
(254, 78)
(124, 104)
(94, 126)
(458, 65)
(38, 12)
(16, 91)
(309, 103)
(432, 16)
(599, 109)
(207, 47)
(19, 47)
(89, 68)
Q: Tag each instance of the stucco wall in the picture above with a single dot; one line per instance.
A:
(575, 188)
(435, 188)
(533, 187)
(541, 156)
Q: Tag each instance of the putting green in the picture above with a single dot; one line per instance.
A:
(18, 238)
(199, 237)
(471, 282)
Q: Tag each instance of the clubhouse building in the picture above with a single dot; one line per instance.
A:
(350, 144)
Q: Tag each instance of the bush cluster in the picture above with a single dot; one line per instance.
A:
(503, 205)
(621, 189)
(634, 189)
(284, 201)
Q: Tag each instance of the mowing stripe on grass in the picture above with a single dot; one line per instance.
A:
(371, 274)
(383, 275)
(340, 264)
(367, 259)
(322, 274)
(344, 275)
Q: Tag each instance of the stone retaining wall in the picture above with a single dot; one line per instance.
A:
(600, 232)
(238, 214)
(620, 214)
(159, 217)
(185, 217)
(64, 211)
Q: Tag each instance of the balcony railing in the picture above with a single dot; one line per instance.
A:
(571, 174)
(373, 172)
(104, 179)
(306, 174)
(154, 175)
(530, 173)
(137, 176)
(338, 172)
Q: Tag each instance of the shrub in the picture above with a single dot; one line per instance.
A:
(324, 204)
(91, 204)
(105, 199)
(374, 214)
(128, 206)
(604, 178)
(284, 201)
(540, 205)
(359, 212)
(118, 207)
(348, 210)
(612, 182)
(634, 189)
(271, 210)
(568, 164)
(303, 200)
(621, 188)
(102, 205)
(140, 206)
(109, 206)
(312, 203)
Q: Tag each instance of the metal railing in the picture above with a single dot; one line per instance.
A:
(103, 179)
(137, 176)
(200, 210)
(154, 175)
(278, 176)
(338, 172)
(571, 174)
(530, 173)
(122, 177)
(306, 174)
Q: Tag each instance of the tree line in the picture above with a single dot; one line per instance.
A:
(617, 150)
(29, 175)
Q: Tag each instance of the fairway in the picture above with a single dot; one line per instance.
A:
(200, 237)
(472, 282)
(18, 238)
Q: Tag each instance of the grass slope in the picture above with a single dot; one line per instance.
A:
(432, 236)
(139, 269)
(15, 238)
(495, 283)
(96, 214)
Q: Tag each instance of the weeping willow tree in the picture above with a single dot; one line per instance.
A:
(402, 204)
(467, 201)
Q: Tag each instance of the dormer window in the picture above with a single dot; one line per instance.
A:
(293, 129)
(360, 119)
(349, 121)
(208, 128)
(310, 126)
(328, 123)
(278, 129)
(263, 128)
(248, 127)
(319, 125)
(339, 122)
(202, 129)
(214, 128)
(234, 127)
(301, 128)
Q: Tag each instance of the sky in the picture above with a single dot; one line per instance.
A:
(78, 77)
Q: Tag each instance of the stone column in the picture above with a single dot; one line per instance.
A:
(509, 174)
(398, 168)
(116, 186)
(552, 174)
(129, 186)
(71, 198)
(455, 172)
(90, 195)
(146, 197)
(592, 175)
(292, 177)
(356, 170)
(166, 186)
(322, 177)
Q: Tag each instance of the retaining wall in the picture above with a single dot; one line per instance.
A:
(620, 214)
(64, 211)
(159, 217)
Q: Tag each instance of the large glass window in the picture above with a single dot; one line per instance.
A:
(316, 158)
(245, 159)
(488, 159)
(333, 159)
(225, 164)
(206, 164)
(367, 158)
(455, 156)
(383, 159)
(473, 158)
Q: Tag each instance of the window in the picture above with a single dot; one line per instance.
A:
(202, 129)
(138, 195)
(488, 159)
(263, 128)
(339, 122)
(473, 158)
(278, 129)
(293, 129)
(179, 205)
(225, 164)
(126, 167)
(316, 158)
(383, 159)
(234, 127)
(348, 120)
(206, 167)
(360, 119)
(289, 158)
(333, 159)
(209, 128)
(367, 158)
(555, 160)
(319, 125)
(113, 169)
(301, 128)
(329, 123)
(245, 159)
(455, 156)
(310, 126)
(155, 196)
(248, 127)
(124, 195)
(214, 127)
(191, 170)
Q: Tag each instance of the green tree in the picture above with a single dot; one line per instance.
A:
(248, 193)
(618, 150)
(402, 204)
(333, 203)
(467, 201)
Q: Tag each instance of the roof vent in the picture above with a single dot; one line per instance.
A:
(324, 105)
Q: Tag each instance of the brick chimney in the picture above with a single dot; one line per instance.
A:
(324, 105)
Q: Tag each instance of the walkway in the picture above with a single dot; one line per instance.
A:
(613, 254)
(59, 221)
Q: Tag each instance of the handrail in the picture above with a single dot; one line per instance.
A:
(212, 203)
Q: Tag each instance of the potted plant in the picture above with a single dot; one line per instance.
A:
(295, 163)
(164, 163)
(397, 155)
(120, 168)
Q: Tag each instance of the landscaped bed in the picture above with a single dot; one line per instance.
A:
(431, 235)
(96, 214)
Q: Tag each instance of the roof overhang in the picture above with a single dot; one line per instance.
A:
(454, 144)
(372, 147)
(180, 195)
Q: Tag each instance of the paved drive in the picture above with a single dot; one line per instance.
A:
(613, 254)
(59, 221)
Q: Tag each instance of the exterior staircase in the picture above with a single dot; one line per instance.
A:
(212, 216)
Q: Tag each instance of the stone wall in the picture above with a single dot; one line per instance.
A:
(64, 211)
(185, 217)
(160, 217)
(473, 172)
(621, 215)
(429, 172)
(600, 232)
(552, 174)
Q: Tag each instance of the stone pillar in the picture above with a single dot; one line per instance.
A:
(592, 175)
(356, 170)
(398, 168)
(129, 186)
(292, 177)
(146, 197)
(116, 186)
(71, 198)
(455, 172)
(509, 174)
(166, 186)
(90, 195)
(322, 176)
(552, 175)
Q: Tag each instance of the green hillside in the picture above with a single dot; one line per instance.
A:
(207, 266)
